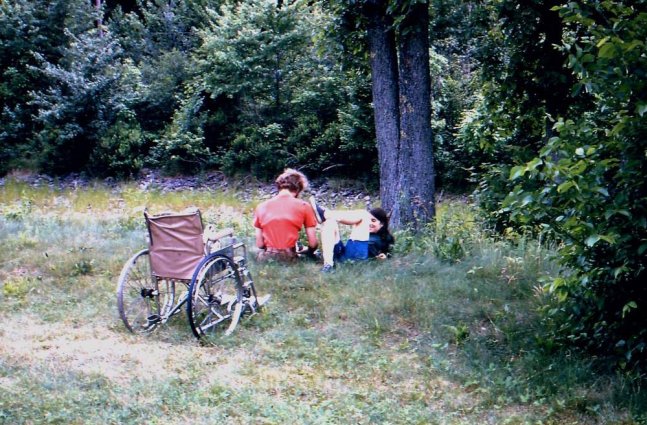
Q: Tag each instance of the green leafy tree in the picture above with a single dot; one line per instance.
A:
(268, 93)
(159, 37)
(89, 88)
(525, 88)
(592, 193)
(456, 29)
(26, 28)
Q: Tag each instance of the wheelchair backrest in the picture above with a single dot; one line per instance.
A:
(176, 247)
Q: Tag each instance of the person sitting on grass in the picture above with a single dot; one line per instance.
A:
(369, 238)
(279, 220)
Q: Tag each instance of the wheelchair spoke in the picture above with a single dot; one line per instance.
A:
(214, 293)
(143, 299)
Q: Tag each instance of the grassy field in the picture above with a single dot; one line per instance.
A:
(446, 332)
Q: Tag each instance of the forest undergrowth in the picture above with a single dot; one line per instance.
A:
(445, 332)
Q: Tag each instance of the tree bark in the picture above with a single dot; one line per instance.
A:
(416, 183)
(401, 85)
(97, 5)
(384, 74)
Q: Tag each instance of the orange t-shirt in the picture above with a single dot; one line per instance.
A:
(281, 218)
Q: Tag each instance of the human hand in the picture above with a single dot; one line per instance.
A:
(381, 256)
(311, 253)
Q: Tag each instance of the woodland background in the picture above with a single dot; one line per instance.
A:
(537, 111)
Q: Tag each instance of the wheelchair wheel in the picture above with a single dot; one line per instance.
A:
(142, 298)
(215, 296)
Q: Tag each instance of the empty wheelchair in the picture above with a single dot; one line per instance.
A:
(186, 266)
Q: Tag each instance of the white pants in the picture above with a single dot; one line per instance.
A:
(330, 235)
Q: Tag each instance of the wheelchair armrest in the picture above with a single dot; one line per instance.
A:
(212, 235)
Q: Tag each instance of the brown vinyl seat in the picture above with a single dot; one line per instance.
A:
(176, 245)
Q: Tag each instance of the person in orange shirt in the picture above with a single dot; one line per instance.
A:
(279, 220)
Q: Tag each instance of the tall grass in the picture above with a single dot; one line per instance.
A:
(445, 332)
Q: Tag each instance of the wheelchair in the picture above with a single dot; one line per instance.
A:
(185, 265)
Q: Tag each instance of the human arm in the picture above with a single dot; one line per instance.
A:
(311, 234)
(260, 242)
(313, 244)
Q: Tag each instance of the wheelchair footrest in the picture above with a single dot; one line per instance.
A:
(227, 299)
(263, 300)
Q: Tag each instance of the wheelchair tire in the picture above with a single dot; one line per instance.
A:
(143, 299)
(215, 296)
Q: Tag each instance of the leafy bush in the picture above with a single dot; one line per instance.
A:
(180, 152)
(258, 150)
(592, 188)
(266, 96)
(27, 27)
(18, 287)
(120, 151)
(89, 89)
(18, 210)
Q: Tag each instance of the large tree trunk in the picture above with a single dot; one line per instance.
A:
(384, 72)
(402, 109)
(416, 186)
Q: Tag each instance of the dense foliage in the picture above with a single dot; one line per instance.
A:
(30, 33)
(183, 86)
(581, 167)
(293, 106)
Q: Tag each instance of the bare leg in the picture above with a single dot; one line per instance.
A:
(330, 235)
(329, 238)
(359, 219)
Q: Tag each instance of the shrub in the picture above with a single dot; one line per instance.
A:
(592, 189)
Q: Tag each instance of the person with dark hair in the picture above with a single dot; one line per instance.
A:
(279, 220)
(369, 238)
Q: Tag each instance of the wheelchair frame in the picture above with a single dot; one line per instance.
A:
(184, 265)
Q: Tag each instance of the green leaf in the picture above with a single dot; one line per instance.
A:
(617, 128)
(602, 42)
(526, 200)
(632, 45)
(642, 249)
(546, 150)
(517, 172)
(565, 186)
(607, 51)
(641, 108)
(578, 168)
(587, 58)
(608, 238)
(534, 164)
(602, 191)
(610, 213)
(628, 307)
(592, 240)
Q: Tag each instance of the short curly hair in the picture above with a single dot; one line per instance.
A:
(293, 180)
